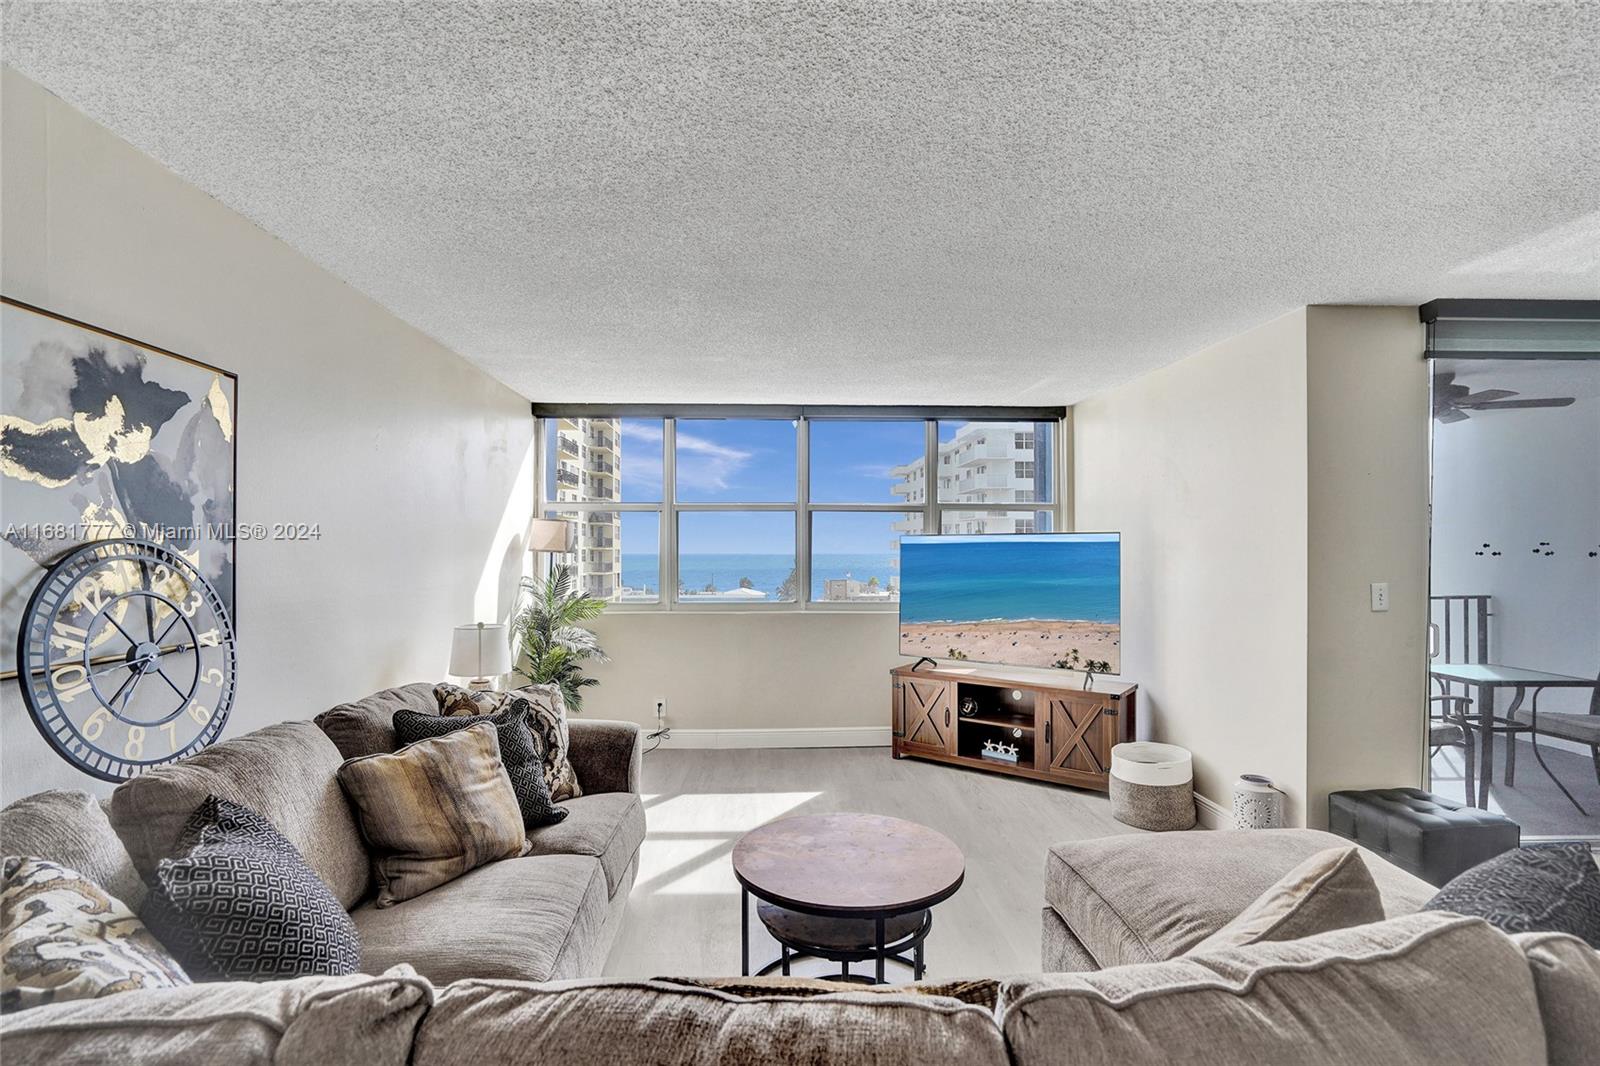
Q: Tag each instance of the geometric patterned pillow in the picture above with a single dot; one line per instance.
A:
(240, 904)
(1540, 888)
(547, 717)
(62, 937)
(519, 751)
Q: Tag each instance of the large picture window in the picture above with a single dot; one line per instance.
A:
(775, 512)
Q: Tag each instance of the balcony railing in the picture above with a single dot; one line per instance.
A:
(567, 477)
(568, 445)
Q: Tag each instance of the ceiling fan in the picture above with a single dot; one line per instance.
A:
(1452, 402)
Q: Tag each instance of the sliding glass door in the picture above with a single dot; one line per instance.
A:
(1514, 635)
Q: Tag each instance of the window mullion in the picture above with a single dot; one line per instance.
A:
(667, 565)
(802, 513)
(930, 463)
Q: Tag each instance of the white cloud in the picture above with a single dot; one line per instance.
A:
(702, 464)
(705, 464)
(648, 432)
(875, 470)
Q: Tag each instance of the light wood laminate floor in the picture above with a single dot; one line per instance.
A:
(683, 915)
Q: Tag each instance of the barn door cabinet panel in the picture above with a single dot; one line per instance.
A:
(924, 716)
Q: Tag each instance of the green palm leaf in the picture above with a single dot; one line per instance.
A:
(552, 642)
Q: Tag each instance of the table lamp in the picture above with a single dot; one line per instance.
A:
(480, 652)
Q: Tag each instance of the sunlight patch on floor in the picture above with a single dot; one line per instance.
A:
(659, 856)
(721, 812)
(692, 834)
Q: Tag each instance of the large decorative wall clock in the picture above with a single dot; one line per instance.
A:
(105, 436)
(125, 658)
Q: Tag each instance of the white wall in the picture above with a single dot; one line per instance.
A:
(1367, 463)
(1261, 486)
(1202, 466)
(1514, 478)
(777, 670)
(417, 466)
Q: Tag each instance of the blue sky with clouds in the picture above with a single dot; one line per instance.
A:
(754, 461)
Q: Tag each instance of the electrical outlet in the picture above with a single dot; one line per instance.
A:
(1380, 595)
(661, 709)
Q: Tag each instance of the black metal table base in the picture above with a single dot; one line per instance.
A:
(907, 951)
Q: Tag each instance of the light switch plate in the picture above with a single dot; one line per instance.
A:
(1380, 595)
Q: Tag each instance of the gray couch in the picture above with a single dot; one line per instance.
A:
(1151, 897)
(471, 981)
(549, 915)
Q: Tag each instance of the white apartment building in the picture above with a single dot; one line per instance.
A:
(588, 467)
(990, 465)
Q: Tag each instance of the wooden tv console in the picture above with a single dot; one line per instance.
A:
(1063, 732)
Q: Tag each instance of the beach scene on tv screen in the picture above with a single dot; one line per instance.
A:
(1049, 600)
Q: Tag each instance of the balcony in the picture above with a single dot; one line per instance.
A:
(569, 478)
(567, 445)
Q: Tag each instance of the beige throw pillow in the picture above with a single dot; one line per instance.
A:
(434, 810)
(62, 937)
(1332, 889)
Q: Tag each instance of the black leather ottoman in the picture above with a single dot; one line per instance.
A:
(1427, 835)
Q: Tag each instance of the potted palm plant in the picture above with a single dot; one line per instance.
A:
(551, 641)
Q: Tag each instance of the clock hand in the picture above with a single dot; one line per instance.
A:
(137, 677)
(126, 682)
(149, 603)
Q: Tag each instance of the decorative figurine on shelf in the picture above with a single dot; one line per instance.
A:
(999, 751)
(969, 707)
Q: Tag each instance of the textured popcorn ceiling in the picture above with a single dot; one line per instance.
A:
(875, 202)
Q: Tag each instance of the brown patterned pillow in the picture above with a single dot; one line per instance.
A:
(63, 937)
(455, 700)
(434, 810)
(547, 716)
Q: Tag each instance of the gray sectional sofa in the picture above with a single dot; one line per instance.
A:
(497, 966)
(551, 914)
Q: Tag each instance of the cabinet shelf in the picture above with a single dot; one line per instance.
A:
(1024, 724)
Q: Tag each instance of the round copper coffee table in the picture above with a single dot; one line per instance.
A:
(863, 867)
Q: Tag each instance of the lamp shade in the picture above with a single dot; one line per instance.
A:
(551, 535)
(481, 650)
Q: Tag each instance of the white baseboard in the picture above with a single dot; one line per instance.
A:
(861, 736)
(1211, 814)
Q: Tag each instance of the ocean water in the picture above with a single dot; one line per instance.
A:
(766, 572)
(968, 580)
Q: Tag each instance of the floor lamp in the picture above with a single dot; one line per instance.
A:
(555, 536)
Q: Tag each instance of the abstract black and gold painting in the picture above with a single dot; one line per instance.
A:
(102, 436)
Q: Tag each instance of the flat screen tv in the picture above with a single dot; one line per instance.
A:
(1021, 599)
